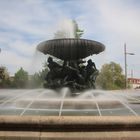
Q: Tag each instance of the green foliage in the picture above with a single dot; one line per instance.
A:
(4, 78)
(3, 73)
(21, 78)
(37, 80)
(78, 32)
(111, 77)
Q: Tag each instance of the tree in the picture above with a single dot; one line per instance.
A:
(3, 73)
(4, 77)
(111, 77)
(21, 78)
(37, 80)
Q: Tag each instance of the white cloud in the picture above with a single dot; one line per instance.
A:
(12, 59)
(23, 47)
(114, 23)
(22, 21)
(25, 23)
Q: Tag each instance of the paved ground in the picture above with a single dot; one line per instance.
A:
(46, 102)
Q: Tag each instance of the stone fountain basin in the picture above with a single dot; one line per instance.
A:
(70, 128)
(67, 123)
(70, 48)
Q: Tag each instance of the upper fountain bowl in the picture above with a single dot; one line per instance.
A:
(70, 48)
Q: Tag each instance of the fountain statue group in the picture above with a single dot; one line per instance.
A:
(72, 74)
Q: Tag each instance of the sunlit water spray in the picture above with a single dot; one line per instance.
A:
(66, 29)
(64, 92)
(62, 102)
(37, 62)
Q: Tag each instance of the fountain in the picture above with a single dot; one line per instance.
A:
(73, 73)
(45, 114)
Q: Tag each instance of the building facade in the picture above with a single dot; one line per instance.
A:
(134, 82)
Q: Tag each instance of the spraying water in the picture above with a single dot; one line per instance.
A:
(66, 29)
(64, 92)
(37, 62)
(60, 103)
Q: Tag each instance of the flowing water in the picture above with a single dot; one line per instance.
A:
(66, 29)
(37, 62)
(48, 102)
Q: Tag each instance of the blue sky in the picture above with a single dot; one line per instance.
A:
(25, 23)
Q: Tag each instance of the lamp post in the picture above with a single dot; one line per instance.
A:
(125, 60)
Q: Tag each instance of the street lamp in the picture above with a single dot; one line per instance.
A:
(125, 60)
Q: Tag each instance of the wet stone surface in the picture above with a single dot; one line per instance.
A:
(45, 102)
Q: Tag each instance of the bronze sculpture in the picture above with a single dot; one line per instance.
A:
(73, 73)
